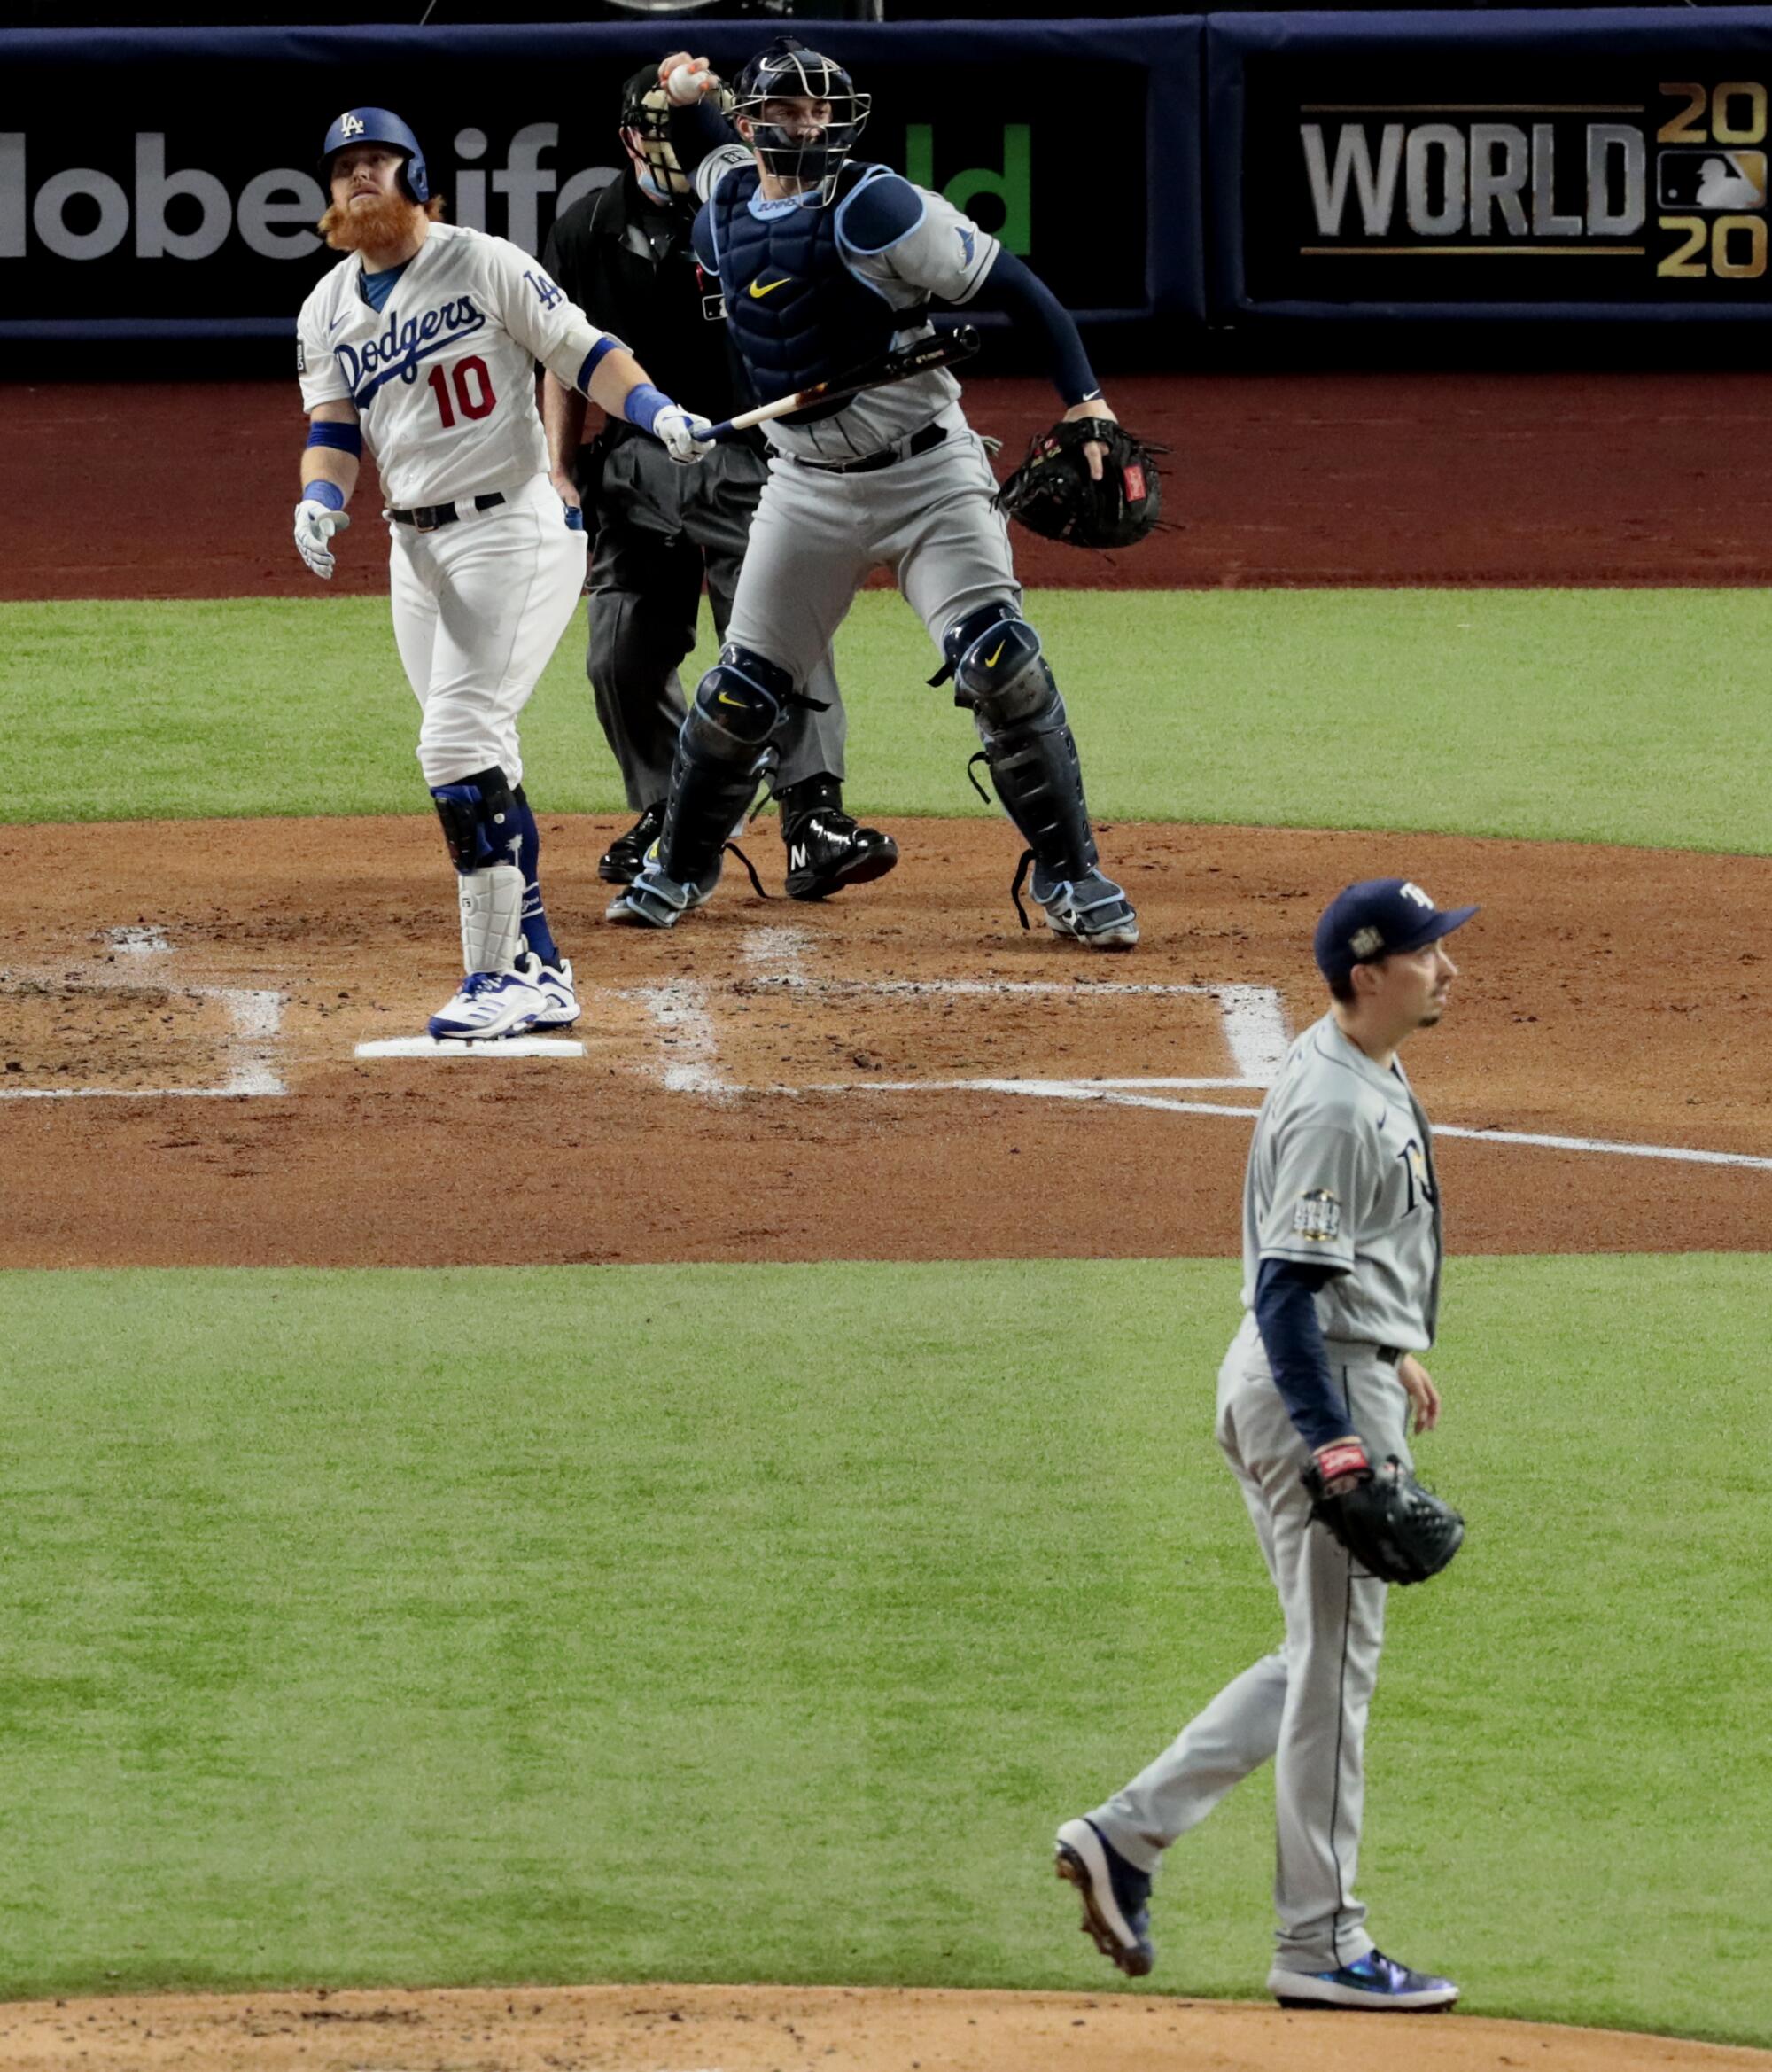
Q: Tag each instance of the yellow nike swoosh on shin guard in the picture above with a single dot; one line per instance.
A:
(759, 289)
(991, 660)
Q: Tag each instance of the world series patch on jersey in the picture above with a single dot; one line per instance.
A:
(443, 376)
(1317, 1216)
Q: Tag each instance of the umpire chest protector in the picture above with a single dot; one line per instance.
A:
(796, 313)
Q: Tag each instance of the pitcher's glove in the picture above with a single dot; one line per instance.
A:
(1053, 494)
(1395, 1528)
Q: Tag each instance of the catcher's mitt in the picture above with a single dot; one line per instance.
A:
(1395, 1528)
(1053, 494)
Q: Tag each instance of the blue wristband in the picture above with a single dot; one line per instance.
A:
(643, 403)
(327, 493)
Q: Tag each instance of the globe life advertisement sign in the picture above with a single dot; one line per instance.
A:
(187, 203)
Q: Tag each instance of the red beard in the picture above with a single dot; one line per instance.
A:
(380, 224)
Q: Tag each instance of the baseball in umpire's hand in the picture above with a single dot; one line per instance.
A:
(1093, 453)
(314, 525)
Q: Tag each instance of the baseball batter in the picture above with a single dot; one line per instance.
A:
(1340, 1288)
(824, 264)
(423, 341)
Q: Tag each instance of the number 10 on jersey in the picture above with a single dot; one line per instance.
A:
(473, 387)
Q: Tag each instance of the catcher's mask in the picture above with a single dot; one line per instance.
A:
(376, 126)
(786, 71)
(646, 134)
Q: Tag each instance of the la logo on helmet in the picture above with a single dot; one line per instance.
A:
(351, 125)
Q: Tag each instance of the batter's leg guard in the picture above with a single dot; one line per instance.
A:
(1001, 676)
(482, 827)
(722, 754)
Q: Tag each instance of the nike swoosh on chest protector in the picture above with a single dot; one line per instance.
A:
(760, 288)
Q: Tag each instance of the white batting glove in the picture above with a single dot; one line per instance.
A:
(314, 525)
(678, 429)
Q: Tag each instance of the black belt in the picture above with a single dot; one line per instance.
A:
(1388, 1355)
(427, 516)
(923, 442)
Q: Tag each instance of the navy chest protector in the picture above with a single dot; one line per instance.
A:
(796, 313)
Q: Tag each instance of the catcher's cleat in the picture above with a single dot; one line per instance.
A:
(1375, 1981)
(1116, 1896)
(621, 862)
(654, 900)
(828, 849)
(554, 982)
(1092, 908)
(490, 1003)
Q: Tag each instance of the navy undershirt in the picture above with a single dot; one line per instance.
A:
(1285, 1315)
(1012, 286)
(378, 286)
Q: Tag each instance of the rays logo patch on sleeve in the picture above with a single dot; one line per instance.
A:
(1317, 1216)
(300, 357)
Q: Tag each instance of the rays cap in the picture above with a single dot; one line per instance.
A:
(1378, 917)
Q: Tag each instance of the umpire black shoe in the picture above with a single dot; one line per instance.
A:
(1116, 1896)
(827, 850)
(619, 864)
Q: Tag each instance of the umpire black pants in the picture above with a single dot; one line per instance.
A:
(662, 528)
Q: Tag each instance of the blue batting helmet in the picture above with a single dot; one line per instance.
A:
(376, 126)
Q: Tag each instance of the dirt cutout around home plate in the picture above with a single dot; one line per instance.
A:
(200, 1053)
(779, 2029)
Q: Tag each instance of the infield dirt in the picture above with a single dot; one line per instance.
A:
(779, 1081)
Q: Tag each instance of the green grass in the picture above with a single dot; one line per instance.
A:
(761, 1621)
(1630, 716)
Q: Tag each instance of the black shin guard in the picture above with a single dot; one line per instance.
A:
(1034, 767)
(721, 755)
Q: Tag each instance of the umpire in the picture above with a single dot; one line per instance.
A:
(624, 256)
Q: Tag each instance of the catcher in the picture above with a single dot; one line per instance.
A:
(1341, 1280)
(825, 262)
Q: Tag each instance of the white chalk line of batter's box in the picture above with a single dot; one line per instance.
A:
(256, 1014)
(1252, 1016)
(1128, 1094)
(452, 1046)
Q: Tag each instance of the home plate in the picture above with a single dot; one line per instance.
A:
(489, 1047)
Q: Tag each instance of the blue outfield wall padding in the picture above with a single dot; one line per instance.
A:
(1389, 76)
(163, 222)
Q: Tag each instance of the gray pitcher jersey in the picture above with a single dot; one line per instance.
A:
(1341, 1175)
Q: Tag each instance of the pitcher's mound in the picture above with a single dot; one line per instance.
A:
(774, 2029)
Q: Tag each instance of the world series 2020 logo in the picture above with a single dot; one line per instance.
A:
(1662, 188)
(1710, 172)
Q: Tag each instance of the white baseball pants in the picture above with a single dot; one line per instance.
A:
(478, 609)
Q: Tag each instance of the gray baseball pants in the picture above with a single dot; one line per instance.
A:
(1305, 1707)
(660, 527)
(928, 521)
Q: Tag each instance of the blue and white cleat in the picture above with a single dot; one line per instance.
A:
(1375, 1981)
(1116, 1896)
(490, 1003)
(554, 982)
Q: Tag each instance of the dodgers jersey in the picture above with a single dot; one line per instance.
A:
(943, 253)
(1341, 1175)
(444, 376)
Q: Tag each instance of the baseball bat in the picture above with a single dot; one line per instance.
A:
(945, 351)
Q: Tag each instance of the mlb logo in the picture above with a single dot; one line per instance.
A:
(1731, 181)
